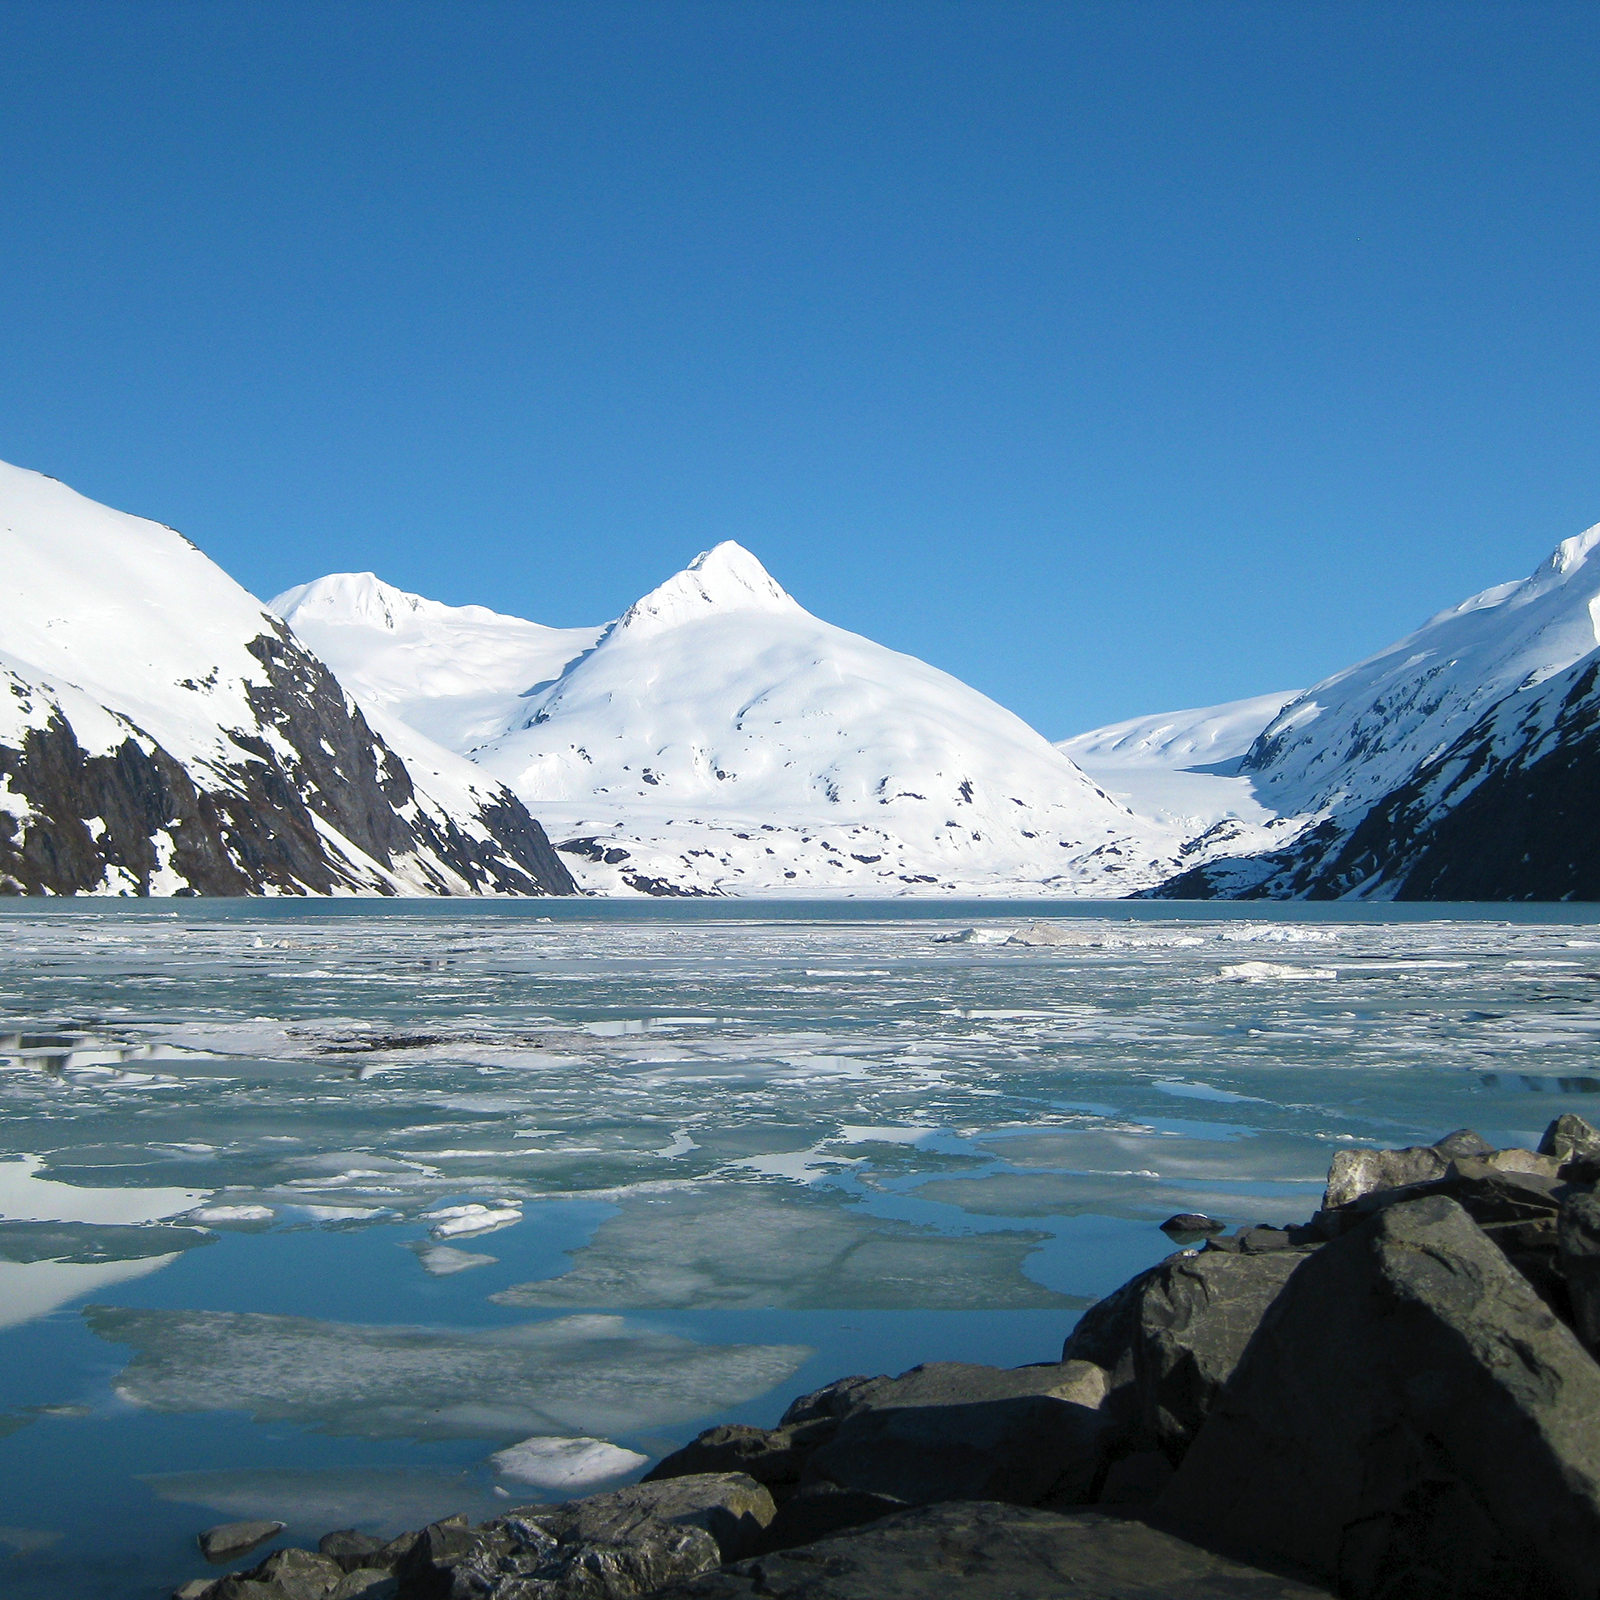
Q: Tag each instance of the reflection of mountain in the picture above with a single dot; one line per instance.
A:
(718, 737)
(161, 734)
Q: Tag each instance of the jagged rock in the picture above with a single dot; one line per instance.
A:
(1449, 1444)
(366, 1583)
(731, 1506)
(772, 1456)
(427, 1568)
(284, 1575)
(833, 1399)
(195, 1589)
(1354, 1173)
(230, 1540)
(350, 1549)
(984, 1551)
(1569, 1136)
(1172, 1336)
(542, 1554)
(1578, 1234)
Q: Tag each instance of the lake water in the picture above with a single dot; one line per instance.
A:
(721, 1153)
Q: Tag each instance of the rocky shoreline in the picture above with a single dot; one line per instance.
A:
(1398, 1400)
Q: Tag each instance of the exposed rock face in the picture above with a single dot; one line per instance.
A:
(1503, 813)
(313, 802)
(1172, 1337)
(1448, 1445)
(160, 733)
(985, 1551)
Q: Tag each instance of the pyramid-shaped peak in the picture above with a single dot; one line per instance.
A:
(724, 578)
(349, 597)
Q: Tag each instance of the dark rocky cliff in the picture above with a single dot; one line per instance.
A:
(1506, 812)
(315, 803)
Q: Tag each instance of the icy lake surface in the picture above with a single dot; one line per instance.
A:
(365, 1215)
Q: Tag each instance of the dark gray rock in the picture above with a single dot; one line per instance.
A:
(1578, 1234)
(1136, 1480)
(1410, 1420)
(1172, 1336)
(230, 1540)
(350, 1549)
(366, 1583)
(1576, 1145)
(542, 1553)
(732, 1507)
(1569, 1135)
(820, 1510)
(833, 1400)
(772, 1456)
(984, 1551)
(953, 1430)
(1191, 1225)
(284, 1575)
(251, 825)
(426, 1568)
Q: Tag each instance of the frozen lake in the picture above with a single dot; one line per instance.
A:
(720, 1153)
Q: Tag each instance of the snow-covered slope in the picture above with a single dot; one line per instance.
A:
(1451, 764)
(454, 673)
(1179, 769)
(719, 738)
(1179, 741)
(1358, 734)
(159, 733)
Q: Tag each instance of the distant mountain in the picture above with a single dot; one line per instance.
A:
(1179, 770)
(161, 734)
(719, 738)
(1461, 763)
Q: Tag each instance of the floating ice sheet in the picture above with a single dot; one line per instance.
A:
(712, 1249)
(595, 1375)
(381, 1500)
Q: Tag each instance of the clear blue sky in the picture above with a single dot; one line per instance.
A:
(1113, 357)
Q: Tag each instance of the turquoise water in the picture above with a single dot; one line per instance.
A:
(721, 1153)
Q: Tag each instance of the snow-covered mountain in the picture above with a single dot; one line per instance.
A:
(1459, 763)
(161, 734)
(717, 737)
(1180, 769)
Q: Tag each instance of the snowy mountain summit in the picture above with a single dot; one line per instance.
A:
(718, 737)
(161, 734)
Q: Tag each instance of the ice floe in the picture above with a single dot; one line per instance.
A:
(569, 1465)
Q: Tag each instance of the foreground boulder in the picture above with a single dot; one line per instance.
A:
(1411, 1420)
(230, 1540)
(950, 1430)
(985, 1551)
(1171, 1338)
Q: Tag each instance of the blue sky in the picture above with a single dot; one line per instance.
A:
(1113, 357)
